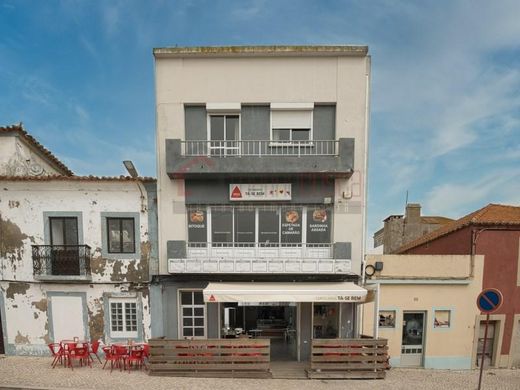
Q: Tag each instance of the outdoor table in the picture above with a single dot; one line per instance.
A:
(255, 332)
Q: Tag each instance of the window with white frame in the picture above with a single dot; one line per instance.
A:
(192, 314)
(123, 318)
(224, 134)
(291, 123)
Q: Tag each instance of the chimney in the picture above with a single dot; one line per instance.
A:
(413, 213)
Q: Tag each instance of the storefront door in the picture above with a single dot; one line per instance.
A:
(412, 347)
(490, 344)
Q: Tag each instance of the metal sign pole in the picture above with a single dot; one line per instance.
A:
(483, 352)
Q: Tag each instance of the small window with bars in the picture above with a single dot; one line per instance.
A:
(123, 318)
(193, 310)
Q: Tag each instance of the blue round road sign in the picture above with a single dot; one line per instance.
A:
(489, 300)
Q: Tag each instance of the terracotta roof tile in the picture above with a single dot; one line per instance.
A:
(490, 215)
(144, 179)
(33, 142)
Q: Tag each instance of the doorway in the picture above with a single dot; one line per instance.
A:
(412, 347)
(276, 322)
(490, 344)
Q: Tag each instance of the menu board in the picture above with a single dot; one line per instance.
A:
(318, 225)
(291, 227)
(197, 225)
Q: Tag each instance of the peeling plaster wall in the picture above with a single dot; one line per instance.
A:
(24, 300)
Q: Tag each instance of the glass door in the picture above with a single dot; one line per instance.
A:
(224, 135)
(412, 347)
(64, 246)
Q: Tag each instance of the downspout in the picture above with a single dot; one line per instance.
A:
(365, 180)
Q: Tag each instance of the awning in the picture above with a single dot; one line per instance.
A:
(284, 292)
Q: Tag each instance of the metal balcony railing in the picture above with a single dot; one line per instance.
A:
(259, 250)
(263, 148)
(61, 260)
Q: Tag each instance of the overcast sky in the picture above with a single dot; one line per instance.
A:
(445, 120)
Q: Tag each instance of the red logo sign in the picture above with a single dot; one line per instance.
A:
(236, 194)
(212, 298)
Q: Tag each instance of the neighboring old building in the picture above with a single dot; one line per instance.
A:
(75, 251)
(494, 232)
(261, 174)
(426, 308)
(399, 230)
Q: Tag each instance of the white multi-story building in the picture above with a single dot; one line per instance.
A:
(262, 156)
(75, 251)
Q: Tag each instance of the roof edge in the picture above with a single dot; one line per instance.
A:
(143, 179)
(262, 51)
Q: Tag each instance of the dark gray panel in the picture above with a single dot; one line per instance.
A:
(324, 122)
(212, 320)
(176, 249)
(255, 122)
(305, 331)
(342, 250)
(195, 123)
(217, 192)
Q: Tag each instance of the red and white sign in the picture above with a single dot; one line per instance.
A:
(252, 192)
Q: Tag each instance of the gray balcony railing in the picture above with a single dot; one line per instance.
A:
(259, 148)
(61, 260)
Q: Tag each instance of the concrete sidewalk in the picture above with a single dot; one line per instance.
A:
(36, 373)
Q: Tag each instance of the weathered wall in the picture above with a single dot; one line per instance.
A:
(22, 219)
(18, 159)
(409, 286)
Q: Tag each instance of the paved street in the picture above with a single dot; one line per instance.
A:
(32, 372)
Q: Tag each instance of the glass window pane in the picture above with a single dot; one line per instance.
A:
(197, 226)
(268, 226)
(217, 127)
(199, 298)
(301, 135)
(232, 128)
(291, 225)
(187, 321)
(281, 134)
(387, 318)
(187, 332)
(128, 235)
(245, 226)
(187, 311)
(325, 321)
(199, 311)
(199, 332)
(114, 235)
(442, 319)
(71, 231)
(186, 298)
(318, 225)
(199, 321)
(56, 231)
(222, 225)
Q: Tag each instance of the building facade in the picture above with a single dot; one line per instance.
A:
(399, 230)
(494, 232)
(426, 308)
(261, 176)
(75, 252)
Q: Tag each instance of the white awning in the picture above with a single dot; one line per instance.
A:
(284, 292)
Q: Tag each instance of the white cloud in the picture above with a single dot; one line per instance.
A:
(456, 198)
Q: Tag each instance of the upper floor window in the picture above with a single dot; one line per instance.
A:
(121, 235)
(291, 122)
(63, 230)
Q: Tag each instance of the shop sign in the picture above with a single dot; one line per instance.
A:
(197, 225)
(262, 192)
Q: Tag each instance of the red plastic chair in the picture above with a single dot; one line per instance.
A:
(121, 354)
(146, 350)
(57, 353)
(81, 353)
(94, 347)
(136, 356)
(109, 357)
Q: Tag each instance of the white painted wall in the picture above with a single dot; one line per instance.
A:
(342, 80)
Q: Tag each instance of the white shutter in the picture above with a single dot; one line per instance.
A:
(289, 119)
